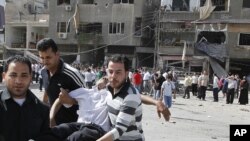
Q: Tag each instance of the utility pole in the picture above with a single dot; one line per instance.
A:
(157, 40)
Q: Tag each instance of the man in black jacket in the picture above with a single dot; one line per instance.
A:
(22, 115)
(61, 75)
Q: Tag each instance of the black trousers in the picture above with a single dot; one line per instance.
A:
(203, 92)
(194, 89)
(230, 96)
(73, 132)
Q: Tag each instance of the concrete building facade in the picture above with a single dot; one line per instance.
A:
(26, 23)
(205, 34)
(94, 29)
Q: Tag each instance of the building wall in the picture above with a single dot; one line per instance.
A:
(105, 12)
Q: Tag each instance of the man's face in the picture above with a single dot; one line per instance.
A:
(49, 59)
(17, 79)
(116, 74)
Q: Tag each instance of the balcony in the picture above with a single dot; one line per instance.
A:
(18, 45)
(175, 16)
(176, 49)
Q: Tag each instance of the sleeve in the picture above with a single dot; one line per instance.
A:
(126, 115)
(73, 81)
(80, 93)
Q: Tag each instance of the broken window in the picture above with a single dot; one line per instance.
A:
(220, 5)
(87, 1)
(244, 39)
(116, 28)
(60, 2)
(90, 28)
(212, 37)
(246, 4)
(180, 5)
(62, 26)
(138, 30)
(124, 1)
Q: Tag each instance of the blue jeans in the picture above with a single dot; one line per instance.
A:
(167, 101)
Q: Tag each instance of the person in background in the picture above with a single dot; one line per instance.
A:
(88, 75)
(232, 86)
(215, 88)
(158, 82)
(167, 89)
(244, 85)
(146, 82)
(203, 83)
(194, 84)
(187, 86)
(22, 115)
(137, 80)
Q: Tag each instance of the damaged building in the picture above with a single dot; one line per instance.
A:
(205, 34)
(92, 30)
(26, 23)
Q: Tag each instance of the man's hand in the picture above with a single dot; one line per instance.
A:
(65, 98)
(161, 109)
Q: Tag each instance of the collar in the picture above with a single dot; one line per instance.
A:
(6, 95)
(122, 91)
(59, 68)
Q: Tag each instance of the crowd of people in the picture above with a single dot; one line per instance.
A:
(25, 117)
(91, 103)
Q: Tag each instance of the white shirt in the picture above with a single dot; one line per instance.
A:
(167, 87)
(147, 76)
(92, 106)
(194, 79)
(215, 82)
(232, 84)
(88, 76)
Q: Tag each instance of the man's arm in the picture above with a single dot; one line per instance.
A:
(53, 110)
(106, 137)
(161, 109)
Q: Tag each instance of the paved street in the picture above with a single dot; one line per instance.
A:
(195, 120)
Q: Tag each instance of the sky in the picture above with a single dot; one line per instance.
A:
(2, 2)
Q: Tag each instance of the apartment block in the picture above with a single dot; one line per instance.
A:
(205, 34)
(26, 22)
(88, 31)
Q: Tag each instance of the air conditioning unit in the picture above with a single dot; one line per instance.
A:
(62, 35)
(68, 8)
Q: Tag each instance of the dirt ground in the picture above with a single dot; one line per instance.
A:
(195, 120)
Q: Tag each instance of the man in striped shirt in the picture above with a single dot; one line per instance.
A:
(124, 107)
(61, 75)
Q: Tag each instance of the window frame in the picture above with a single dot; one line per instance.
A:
(239, 39)
(116, 28)
(60, 28)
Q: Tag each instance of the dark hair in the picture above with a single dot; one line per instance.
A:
(15, 59)
(120, 59)
(47, 43)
